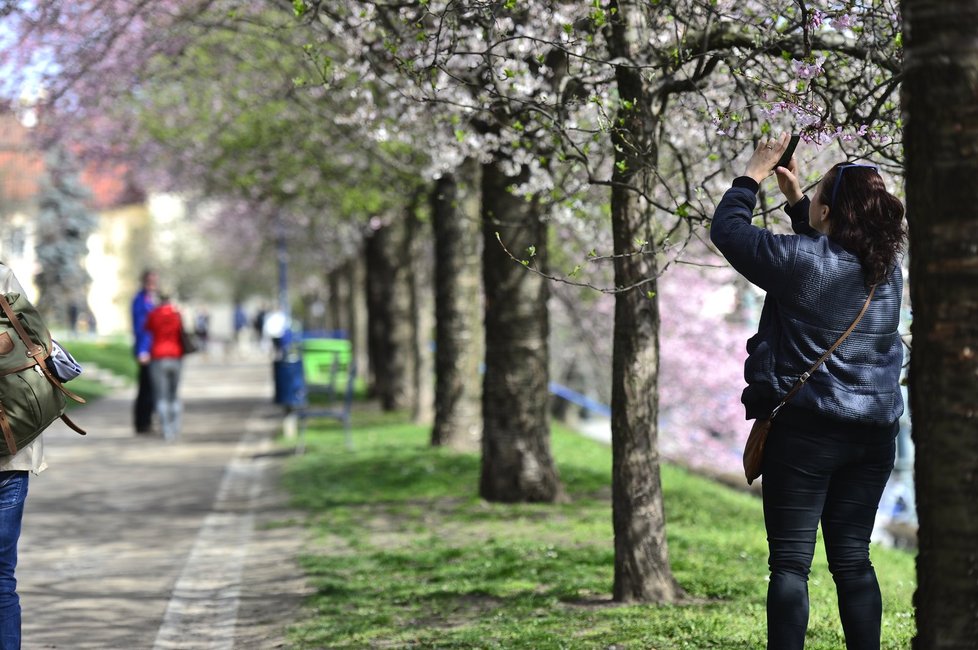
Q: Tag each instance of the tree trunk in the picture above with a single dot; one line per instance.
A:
(516, 461)
(378, 285)
(642, 571)
(392, 330)
(423, 318)
(357, 310)
(458, 310)
(336, 308)
(941, 145)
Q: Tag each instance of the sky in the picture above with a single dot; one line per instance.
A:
(16, 81)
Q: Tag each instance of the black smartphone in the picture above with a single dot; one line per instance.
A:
(789, 152)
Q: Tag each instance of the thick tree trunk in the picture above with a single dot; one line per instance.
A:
(392, 329)
(642, 571)
(516, 461)
(379, 288)
(401, 336)
(941, 143)
(458, 310)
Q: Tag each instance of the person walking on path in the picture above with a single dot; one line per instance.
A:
(831, 449)
(165, 325)
(142, 304)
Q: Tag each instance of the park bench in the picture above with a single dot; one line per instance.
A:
(329, 372)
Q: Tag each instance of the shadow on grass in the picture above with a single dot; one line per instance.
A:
(394, 463)
(434, 586)
(407, 474)
(409, 556)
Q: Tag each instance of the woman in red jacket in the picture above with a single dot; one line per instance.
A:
(166, 354)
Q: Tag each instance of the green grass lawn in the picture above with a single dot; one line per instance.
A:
(407, 555)
(113, 356)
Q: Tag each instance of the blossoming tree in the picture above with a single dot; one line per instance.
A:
(556, 100)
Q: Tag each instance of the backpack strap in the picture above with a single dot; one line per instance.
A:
(57, 382)
(74, 427)
(8, 434)
(38, 354)
(34, 350)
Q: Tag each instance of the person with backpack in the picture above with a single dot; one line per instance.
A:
(14, 472)
(24, 336)
(165, 325)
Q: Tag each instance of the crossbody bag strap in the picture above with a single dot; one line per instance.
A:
(801, 380)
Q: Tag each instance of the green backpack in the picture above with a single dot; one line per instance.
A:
(31, 398)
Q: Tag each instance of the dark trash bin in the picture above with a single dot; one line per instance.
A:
(290, 387)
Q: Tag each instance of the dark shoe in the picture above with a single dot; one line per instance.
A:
(145, 431)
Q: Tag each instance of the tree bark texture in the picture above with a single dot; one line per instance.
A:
(423, 317)
(391, 329)
(516, 461)
(379, 287)
(940, 105)
(357, 308)
(458, 310)
(642, 571)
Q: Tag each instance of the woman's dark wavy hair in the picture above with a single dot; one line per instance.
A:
(865, 219)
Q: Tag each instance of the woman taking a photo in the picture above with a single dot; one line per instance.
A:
(832, 446)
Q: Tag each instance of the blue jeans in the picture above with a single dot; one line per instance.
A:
(166, 382)
(13, 493)
(811, 474)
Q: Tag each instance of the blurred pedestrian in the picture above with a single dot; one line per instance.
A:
(165, 325)
(240, 321)
(202, 328)
(831, 448)
(259, 326)
(142, 304)
(276, 327)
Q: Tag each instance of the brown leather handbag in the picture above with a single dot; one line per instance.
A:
(754, 449)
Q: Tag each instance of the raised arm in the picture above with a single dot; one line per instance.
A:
(762, 257)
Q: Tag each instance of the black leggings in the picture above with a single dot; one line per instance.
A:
(145, 403)
(811, 474)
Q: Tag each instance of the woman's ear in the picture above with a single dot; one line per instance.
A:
(823, 212)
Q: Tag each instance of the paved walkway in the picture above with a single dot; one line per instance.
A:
(130, 542)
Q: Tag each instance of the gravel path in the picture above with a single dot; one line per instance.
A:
(130, 542)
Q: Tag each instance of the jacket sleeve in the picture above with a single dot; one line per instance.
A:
(140, 313)
(8, 281)
(799, 217)
(765, 259)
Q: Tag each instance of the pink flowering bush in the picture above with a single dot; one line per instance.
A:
(706, 319)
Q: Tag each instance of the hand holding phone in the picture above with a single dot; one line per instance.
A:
(788, 153)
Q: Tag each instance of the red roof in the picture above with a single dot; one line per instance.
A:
(109, 185)
(22, 166)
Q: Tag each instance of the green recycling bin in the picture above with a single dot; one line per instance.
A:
(326, 362)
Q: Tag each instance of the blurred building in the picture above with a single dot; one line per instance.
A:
(118, 248)
(21, 167)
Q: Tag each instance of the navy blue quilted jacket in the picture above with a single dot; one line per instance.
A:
(815, 288)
